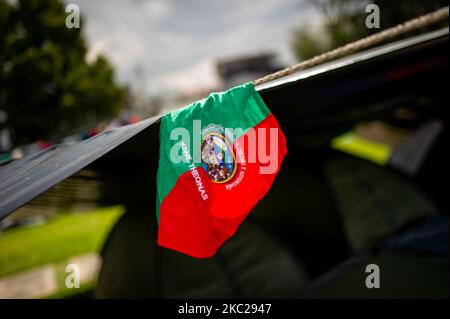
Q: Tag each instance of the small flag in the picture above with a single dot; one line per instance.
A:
(218, 158)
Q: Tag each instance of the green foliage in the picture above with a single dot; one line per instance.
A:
(343, 21)
(62, 237)
(86, 290)
(46, 84)
(307, 44)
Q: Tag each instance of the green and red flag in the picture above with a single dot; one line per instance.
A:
(218, 158)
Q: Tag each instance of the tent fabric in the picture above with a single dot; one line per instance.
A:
(413, 264)
(24, 179)
(374, 202)
(141, 269)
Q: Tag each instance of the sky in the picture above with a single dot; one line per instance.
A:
(163, 45)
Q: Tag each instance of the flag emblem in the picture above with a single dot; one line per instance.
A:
(218, 158)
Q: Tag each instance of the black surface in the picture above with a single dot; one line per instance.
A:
(24, 179)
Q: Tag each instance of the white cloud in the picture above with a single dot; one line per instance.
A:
(170, 39)
(158, 8)
(200, 76)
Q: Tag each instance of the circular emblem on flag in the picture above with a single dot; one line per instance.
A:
(218, 157)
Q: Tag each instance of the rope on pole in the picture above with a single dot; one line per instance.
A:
(383, 36)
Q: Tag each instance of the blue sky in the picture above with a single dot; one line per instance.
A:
(171, 44)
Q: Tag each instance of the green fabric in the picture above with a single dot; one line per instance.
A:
(239, 107)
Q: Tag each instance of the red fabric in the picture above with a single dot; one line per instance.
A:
(198, 227)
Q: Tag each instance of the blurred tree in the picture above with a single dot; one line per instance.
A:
(343, 21)
(46, 84)
(340, 23)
